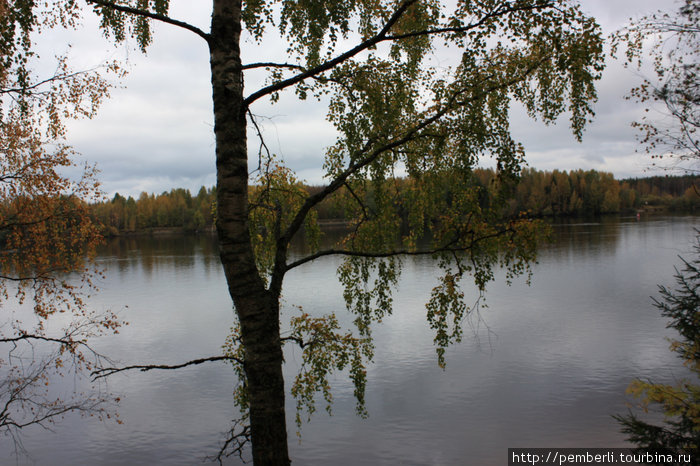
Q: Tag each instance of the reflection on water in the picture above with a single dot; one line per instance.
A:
(150, 253)
(544, 365)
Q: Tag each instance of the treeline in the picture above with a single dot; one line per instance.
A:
(176, 209)
(573, 193)
(589, 192)
(540, 193)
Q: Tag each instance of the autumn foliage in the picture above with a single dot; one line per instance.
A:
(44, 223)
(398, 101)
(47, 237)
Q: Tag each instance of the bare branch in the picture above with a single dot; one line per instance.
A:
(235, 443)
(25, 394)
(292, 66)
(263, 145)
(107, 371)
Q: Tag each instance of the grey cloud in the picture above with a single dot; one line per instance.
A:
(157, 132)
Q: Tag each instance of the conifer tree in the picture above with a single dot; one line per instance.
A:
(680, 403)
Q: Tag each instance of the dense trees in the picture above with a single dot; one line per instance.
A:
(588, 192)
(413, 86)
(174, 209)
(46, 232)
(557, 193)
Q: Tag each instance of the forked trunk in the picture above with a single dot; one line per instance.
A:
(258, 309)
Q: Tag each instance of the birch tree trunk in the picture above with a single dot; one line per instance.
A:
(257, 308)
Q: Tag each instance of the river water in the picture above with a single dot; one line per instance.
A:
(543, 365)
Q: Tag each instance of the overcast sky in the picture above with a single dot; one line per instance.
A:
(156, 132)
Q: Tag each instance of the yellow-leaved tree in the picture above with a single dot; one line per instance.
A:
(419, 88)
(47, 239)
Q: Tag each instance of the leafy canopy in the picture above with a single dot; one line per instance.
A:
(419, 92)
(47, 238)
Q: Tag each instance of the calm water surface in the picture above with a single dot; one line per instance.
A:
(543, 365)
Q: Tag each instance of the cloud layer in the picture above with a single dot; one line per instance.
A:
(156, 133)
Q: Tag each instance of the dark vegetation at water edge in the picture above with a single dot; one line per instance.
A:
(176, 209)
(580, 192)
(539, 193)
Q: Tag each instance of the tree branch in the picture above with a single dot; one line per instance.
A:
(362, 162)
(292, 66)
(263, 145)
(107, 371)
(147, 14)
(12, 224)
(302, 344)
(365, 214)
(26, 278)
(236, 441)
(397, 252)
(502, 9)
(36, 85)
(372, 41)
(381, 36)
(62, 341)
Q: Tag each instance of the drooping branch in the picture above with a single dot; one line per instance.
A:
(25, 398)
(450, 248)
(155, 16)
(107, 371)
(363, 161)
(19, 391)
(365, 214)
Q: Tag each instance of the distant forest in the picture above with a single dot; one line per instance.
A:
(539, 193)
